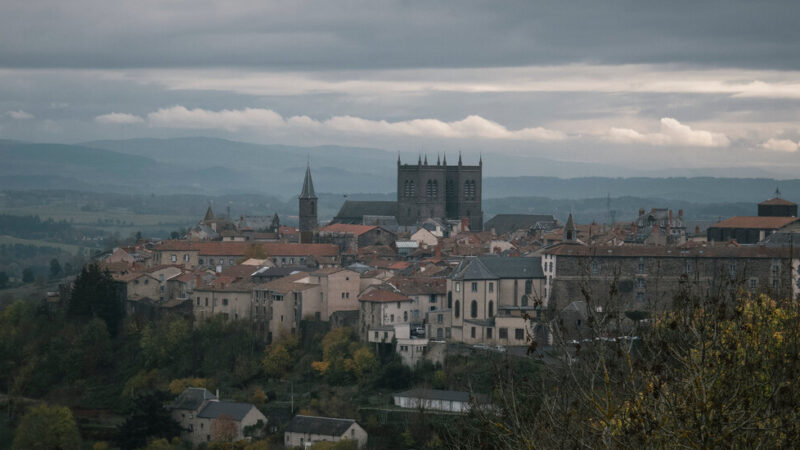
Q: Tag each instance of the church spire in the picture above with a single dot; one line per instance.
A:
(426, 159)
(459, 158)
(209, 215)
(570, 232)
(438, 160)
(444, 159)
(308, 185)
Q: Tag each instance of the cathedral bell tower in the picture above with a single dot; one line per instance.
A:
(308, 209)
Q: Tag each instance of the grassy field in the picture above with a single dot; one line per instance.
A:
(69, 248)
(123, 222)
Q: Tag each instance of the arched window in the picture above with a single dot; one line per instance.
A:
(491, 308)
(469, 190)
(432, 189)
(409, 188)
(405, 316)
(473, 309)
(458, 309)
(449, 299)
(524, 300)
(528, 287)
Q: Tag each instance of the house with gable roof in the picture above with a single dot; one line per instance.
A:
(205, 418)
(304, 431)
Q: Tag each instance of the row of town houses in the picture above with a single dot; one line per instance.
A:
(435, 299)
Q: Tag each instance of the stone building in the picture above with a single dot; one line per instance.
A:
(205, 418)
(383, 308)
(439, 191)
(308, 209)
(349, 238)
(304, 431)
(647, 277)
(777, 207)
(489, 298)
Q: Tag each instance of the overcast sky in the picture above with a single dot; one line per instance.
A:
(641, 84)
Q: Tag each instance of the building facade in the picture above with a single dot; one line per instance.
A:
(439, 191)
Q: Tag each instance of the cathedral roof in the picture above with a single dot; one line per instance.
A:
(354, 211)
(308, 185)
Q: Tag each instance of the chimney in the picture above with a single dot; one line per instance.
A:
(217, 394)
(464, 224)
(697, 230)
(680, 213)
(635, 229)
(670, 218)
(438, 250)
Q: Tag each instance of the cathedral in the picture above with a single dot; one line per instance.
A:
(439, 191)
(424, 191)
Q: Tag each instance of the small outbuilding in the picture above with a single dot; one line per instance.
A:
(304, 431)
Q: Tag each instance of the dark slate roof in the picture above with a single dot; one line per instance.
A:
(191, 398)
(505, 223)
(495, 267)
(235, 410)
(308, 185)
(435, 394)
(327, 426)
(353, 212)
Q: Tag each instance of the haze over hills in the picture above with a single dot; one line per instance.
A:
(209, 166)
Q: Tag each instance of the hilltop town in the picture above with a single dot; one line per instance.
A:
(422, 281)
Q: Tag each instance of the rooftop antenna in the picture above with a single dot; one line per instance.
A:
(612, 214)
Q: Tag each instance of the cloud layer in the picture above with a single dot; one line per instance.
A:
(781, 145)
(118, 118)
(20, 115)
(472, 126)
(672, 133)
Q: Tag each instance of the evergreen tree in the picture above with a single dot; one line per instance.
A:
(27, 275)
(147, 419)
(55, 268)
(95, 295)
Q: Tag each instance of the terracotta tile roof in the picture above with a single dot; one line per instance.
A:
(399, 265)
(419, 285)
(219, 248)
(688, 251)
(758, 222)
(288, 284)
(355, 230)
(132, 276)
(383, 296)
(777, 201)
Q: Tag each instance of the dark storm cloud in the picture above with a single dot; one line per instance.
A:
(303, 35)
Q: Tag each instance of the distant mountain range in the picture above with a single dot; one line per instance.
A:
(208, 166)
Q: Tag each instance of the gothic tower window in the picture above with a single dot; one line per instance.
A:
(409, 189)
(469, 190)
(432, 189)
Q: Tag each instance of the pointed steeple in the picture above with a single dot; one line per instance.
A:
(777, 192)
(459, 158)
(308, 185)
(444, 159)
(426, 159)
(209, 215)
(438, 160)
(398, 158)
(419, 160)
(570, 232)
(480, 160)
